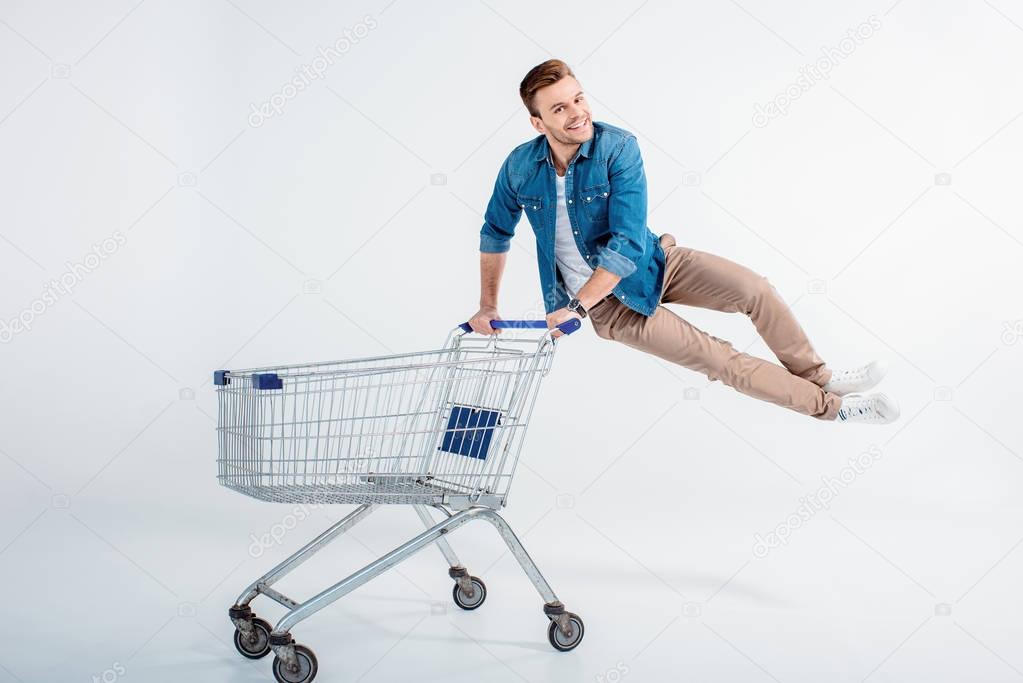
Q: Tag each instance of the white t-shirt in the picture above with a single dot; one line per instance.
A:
(574, 269)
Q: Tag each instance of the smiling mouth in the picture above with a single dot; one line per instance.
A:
(579, 125)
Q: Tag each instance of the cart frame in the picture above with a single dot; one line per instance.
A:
(295, 663)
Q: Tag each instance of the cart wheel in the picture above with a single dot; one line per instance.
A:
(559, 640)
(256, 643)
(305, 670)
(475, 599)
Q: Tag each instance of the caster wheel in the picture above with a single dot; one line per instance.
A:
(559, 640)
(475, 599)
(256, 643)
(304, 672)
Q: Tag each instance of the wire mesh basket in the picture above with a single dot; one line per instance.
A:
(440, 426)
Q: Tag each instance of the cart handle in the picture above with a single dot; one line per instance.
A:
(567, 327)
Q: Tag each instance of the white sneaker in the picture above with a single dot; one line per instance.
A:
(844, 382)
(869, 408)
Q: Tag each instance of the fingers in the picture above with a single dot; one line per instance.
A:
(482, 326)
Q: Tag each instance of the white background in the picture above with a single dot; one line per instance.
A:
(326, 233)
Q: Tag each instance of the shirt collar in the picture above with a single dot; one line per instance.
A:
(544, 151)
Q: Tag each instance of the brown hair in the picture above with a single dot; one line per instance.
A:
(540, 76)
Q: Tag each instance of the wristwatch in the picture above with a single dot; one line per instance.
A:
(576, 307)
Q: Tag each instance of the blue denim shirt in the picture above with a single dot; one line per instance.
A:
(605, 191)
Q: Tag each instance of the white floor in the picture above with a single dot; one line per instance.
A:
(653, 545)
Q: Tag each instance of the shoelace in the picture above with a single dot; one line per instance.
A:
(847, 375)
(864, 406)
(867, 406)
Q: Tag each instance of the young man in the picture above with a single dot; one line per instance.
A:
(581, 185)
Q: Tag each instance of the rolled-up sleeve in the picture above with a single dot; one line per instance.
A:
(626, 212)
(503, 214)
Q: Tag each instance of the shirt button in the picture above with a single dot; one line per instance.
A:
(569, 201)
(534, 206)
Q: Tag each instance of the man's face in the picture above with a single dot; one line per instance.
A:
(564, 112)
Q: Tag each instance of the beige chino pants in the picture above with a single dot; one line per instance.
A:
(696, 278)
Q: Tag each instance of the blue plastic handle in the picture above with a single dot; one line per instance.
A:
(567, 327)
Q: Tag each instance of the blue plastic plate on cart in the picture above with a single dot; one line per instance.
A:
(469, 431)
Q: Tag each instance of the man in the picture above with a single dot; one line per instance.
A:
(582, 186)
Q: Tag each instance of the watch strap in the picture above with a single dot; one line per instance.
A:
(576, 307)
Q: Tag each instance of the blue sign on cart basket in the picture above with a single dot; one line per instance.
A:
(469, 431)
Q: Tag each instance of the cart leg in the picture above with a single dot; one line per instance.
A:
(370, 571)
(283, 645)
(520, 554)
(569, 624)
(442, 544)
(263, 583)
(465, 595)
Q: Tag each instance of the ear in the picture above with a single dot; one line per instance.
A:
(537, 123)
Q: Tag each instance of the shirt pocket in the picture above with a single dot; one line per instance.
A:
(533, 208)
(594, 200)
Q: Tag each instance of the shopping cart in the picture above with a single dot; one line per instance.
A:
(435, 429)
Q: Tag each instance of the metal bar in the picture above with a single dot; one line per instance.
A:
(312, 372)
(520, 554)
(442, 543)
(374, 569)
(409, 548)
(278, 597)
(308, 550)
